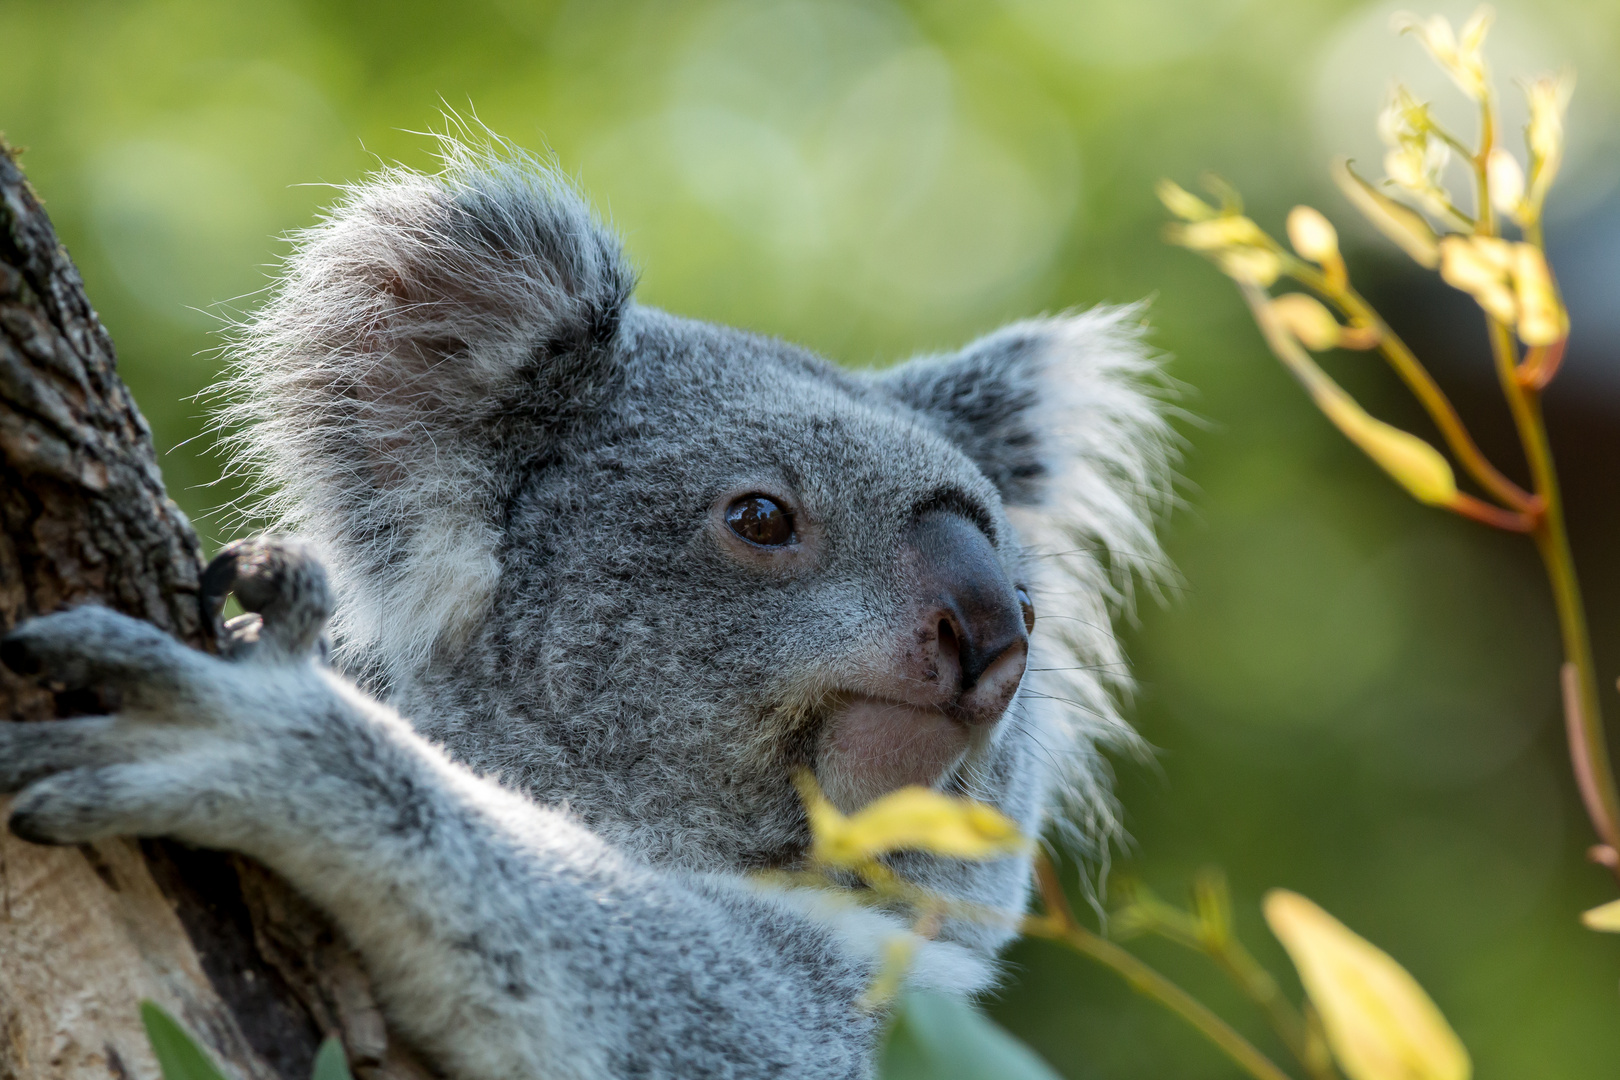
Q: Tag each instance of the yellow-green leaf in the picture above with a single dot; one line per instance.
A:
(178, 1055)
(912, 818)
(1400, 223)
(330, 1062)
(1411, 462)
(1216, 234)
(942, 1037)
(1380, 1024)
(1250, 265)
(1183, 203)
(1605, 918)
(1306, 318)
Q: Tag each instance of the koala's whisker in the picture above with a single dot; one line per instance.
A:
(1090, 710)
(1087, 623)
(1149, 558)
(1022, 723)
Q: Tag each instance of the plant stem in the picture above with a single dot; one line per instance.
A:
(1437, 405)
(1423, 387)
(1588, 742)
(1286, 1021)
(1485, 222)
(1541, 363)
(1256, 983)
(1490, 514)
(1059, 924)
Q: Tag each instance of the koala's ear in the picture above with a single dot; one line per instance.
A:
(1062, 414)
(424, 341)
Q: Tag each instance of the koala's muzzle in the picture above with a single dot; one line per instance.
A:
(963, 644)
(972, 640)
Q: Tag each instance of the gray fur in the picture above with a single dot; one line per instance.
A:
(510, 470)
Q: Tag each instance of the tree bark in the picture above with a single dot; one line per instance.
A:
(86, 933)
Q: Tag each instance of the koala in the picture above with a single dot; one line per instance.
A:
(601, 581)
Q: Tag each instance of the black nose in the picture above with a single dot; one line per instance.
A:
(970, 608)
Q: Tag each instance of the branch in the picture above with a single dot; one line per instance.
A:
(86, 933)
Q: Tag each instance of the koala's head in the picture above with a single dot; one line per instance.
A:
(651, 566)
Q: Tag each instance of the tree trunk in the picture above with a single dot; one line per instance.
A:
(87, 932)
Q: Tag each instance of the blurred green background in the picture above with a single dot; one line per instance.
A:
(1353, 697)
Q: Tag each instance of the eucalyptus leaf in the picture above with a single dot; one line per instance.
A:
(177, 1053)
(938, 1037)
(330, 1064)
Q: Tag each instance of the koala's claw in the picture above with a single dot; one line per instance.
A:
(18, 657)
(278, 580)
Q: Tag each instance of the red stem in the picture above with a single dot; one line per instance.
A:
(1541, 364)
(1569, 678)
(1494, 516)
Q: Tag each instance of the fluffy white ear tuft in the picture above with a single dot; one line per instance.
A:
(422, 343)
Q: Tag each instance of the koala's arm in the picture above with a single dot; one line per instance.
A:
(505, 938)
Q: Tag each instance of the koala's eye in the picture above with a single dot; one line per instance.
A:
(760, 520)
(1028, 607)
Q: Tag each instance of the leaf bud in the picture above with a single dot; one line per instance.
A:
(1506, 181)
(1548, 97)
(1216, 233)
(1409, 461)
(1461, 55)
(1482, 267)
(1312, 235)
(1304, 316)
(1542, 318)
(1183, 203)
(1250, 265)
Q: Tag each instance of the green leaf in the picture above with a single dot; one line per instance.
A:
(330, 1064)
(177, 1053)
(937, 1037)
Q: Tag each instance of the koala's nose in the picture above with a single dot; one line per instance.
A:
(973, 638)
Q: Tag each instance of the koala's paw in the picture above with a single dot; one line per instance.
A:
(99, 776)
(205, 749)
(282, 586)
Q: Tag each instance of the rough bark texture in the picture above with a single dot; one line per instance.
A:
(86, 933)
